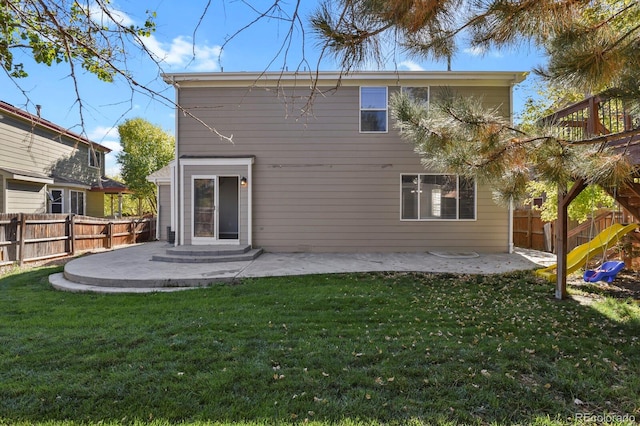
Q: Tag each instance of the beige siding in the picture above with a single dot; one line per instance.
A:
(164, 209)
(28, 148)
(320, 185)
(2, 195)
(95, 203)
(25, 197)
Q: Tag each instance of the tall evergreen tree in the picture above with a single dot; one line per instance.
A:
(590, 44)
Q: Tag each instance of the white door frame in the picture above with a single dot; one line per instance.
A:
(247, 162)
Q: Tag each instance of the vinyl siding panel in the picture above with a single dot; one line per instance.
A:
(164, 210)
(2, 195)
(95, 203)
(28, 148)
(25, 198)
(319, 185)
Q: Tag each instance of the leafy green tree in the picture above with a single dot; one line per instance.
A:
(581, 209)
(90, 34)
(549, 99)
(146, 148)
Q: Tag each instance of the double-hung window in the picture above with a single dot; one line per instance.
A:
(437, 197)
(373, 109)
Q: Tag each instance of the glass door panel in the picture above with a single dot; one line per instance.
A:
(204, 208)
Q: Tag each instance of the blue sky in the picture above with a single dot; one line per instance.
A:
(258, 48)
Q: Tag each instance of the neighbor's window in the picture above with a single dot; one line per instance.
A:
(373, 109)
(77, 202)
(433, 197)
(94, 158)
(55, 201)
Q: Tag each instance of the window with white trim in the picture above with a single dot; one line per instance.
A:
(373, 109)
(437, 197)
(56, 201)
(94, 158)
(419, 94)
(77, 202)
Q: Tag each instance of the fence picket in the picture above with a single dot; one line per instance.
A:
(30, 237)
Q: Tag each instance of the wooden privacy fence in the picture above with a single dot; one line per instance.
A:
(529, 231)
(31, 237)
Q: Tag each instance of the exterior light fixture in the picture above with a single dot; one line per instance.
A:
(243, 182)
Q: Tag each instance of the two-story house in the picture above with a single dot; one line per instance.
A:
(333, 175)
(45, 168)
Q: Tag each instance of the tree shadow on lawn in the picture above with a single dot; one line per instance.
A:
(349, 348)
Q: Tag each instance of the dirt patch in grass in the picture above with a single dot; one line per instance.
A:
(30, 265)
(625, 286)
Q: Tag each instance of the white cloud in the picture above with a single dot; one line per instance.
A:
(98, 15)
(411, 66)
(179, 53)
(114, 146)
(480, 51)
(474, 51)
(101, 133)
(182, 53)
(109, 137)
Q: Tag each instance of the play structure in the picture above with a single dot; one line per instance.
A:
(606, 272)
(579, 256)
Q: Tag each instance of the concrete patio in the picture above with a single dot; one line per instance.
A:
(132, 270)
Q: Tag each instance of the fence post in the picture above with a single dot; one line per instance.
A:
(72, 234)
(22, 235)
(530, 229)
(110, 235)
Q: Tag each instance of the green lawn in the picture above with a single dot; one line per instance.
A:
(329, 349)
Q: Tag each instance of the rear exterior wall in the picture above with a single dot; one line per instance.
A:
(318, 184)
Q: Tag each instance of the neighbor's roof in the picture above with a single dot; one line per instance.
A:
(391, 78)
(162, 175)
(25, 175)
(110, 186)
(47, 125)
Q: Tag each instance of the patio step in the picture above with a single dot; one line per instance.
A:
(133, 269)
(208, 254)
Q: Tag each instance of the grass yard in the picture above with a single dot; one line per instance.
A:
(350, 349)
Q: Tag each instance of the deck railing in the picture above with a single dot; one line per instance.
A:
(593, 116)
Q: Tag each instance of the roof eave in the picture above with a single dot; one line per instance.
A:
(48, 125)
(332, 77)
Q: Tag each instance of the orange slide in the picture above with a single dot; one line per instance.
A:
(578, 257)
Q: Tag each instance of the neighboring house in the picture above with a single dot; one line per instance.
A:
(45, 168)
(330, 176)
(162, 179)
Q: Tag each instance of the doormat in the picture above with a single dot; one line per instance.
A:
(455, 254)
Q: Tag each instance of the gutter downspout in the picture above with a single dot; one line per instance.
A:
(510, 228)
(175, 176)
(510, 209)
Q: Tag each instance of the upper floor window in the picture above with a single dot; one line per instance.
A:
(94, 158)
(373, 109)
(433, 197)
(419, 94)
